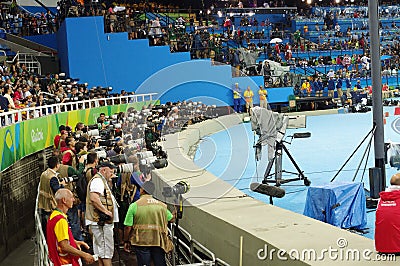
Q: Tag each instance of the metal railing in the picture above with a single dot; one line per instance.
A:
(42, 252)
(193, 251)
(19, 115)
(30, 61)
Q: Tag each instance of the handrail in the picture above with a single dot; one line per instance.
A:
(41, 245)
(16, 116)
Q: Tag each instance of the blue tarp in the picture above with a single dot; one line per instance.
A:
(339, 204)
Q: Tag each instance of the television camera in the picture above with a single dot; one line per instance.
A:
(271, 128)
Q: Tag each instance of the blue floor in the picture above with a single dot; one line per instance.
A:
(333, 139)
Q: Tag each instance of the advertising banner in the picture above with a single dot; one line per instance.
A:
(38, 134)
(30, 136)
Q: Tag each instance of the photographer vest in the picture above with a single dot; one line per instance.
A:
(127, 187)
(89, 173)
(46, 199)
(92, 214)
(150, 224)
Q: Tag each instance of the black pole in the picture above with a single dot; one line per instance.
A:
(45, 7)
(179, 215)
(377, 90)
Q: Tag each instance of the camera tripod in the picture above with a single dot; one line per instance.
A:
(279, 148)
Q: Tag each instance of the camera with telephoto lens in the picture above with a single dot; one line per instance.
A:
(69, 179)
(107, 143)
(103, 218)
(125, 168)
(180, 188)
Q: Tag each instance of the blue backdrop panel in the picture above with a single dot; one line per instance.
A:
(196, 78)
(109, 59)
(341, 205)
(49, 40)
(62, 44)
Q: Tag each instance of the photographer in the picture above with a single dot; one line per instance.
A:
(68, 153)
(88, 173)
(59, 139)
(101, 120)
(102, 212)
(79, 128)
(146, 228)
(48, 186)
(151, 136)
(91, 164)
(128, 189)
(71, 175)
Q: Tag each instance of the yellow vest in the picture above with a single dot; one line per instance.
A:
(236, 95)
(263, 94)
(248, 95)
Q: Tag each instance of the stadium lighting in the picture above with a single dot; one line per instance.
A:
(309, 2)
(337, 1)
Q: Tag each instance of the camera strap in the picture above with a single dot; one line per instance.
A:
(105, 196)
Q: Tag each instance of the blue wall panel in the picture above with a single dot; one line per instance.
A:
(49, 40)
(195, 78)
(111, 59)
(62, 44)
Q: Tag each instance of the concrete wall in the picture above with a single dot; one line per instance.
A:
(18, 189)
(217, 215)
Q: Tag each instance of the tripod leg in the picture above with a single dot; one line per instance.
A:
(268, 170)
(301, 175)
(278, 167)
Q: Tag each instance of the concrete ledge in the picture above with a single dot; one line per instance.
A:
(218, 215)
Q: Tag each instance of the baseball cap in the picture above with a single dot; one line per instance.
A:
(107, 164)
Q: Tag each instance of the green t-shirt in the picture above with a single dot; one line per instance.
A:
(132, 212)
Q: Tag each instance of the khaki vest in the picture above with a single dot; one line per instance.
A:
(127, 187)
(92, 214)
(63, 170)
(150, 224)
(46, 199)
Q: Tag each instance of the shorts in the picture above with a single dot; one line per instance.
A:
(103, 240)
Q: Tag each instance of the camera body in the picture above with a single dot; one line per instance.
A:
(103, 218)
(180, 188)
